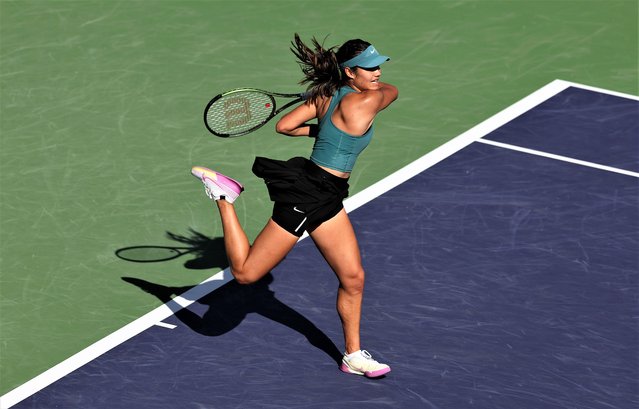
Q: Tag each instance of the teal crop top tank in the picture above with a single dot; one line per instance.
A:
(334, 148)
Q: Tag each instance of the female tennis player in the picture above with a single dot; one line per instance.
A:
(344, 95)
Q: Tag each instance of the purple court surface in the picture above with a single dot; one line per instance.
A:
(504, 275)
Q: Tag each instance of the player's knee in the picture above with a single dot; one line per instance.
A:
(244, 280)
(245, 277)
(353, 281)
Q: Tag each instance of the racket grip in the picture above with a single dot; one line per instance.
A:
(305, 95)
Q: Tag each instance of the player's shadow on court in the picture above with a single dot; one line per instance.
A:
(229, 304)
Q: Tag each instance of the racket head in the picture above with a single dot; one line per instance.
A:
(238, 112)
(150, 254)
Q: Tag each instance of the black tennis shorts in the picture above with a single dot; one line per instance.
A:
(304, 194)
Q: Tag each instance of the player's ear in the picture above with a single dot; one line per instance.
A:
(350, 72)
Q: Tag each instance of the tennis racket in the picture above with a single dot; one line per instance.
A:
(243, 110)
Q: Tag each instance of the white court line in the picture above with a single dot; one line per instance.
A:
(559, 157)
(109, 342)
(602, 91)
(165, 325)
(161, 313)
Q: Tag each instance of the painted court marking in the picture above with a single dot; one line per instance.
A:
(165, 325)
(559, 157)
(158, 315)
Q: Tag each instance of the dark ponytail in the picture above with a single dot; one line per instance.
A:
(320, 67)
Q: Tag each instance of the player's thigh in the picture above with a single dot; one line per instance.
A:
(336, 240)
(269, 248)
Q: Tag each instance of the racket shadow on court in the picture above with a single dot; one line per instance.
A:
(225, 306)
(201, 252)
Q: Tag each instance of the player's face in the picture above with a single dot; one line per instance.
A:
(364, 79)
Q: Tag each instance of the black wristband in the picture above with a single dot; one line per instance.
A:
(313, 130)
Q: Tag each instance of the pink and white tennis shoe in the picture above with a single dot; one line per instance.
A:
(362, 363)
(216, 185)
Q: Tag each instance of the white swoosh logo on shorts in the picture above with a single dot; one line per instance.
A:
(297, 210)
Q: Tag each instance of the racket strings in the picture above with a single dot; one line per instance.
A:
(239, 112)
